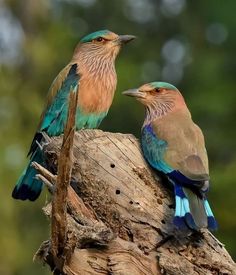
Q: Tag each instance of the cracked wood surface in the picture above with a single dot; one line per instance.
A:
(120, 214)
(59, 202)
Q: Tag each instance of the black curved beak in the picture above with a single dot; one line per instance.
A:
(124, 39)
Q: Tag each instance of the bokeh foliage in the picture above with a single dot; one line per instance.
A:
(189, 43)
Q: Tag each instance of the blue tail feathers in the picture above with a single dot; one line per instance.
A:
(183, 218)
(212, 223)
(28, 187)
(186, 216)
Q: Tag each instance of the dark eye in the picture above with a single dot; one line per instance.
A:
(99, 39)
(157, 90)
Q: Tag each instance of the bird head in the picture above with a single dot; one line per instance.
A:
(158, 97)
(104, 43)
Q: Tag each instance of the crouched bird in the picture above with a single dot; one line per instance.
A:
(174, 145)
(91, 73)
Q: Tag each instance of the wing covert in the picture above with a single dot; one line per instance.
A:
(54, 116)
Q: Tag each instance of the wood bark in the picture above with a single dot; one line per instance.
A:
(119, 215)
(59, 202)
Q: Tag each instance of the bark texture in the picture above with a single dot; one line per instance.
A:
(119, 215)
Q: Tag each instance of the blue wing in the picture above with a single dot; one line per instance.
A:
(154, 149)
(54, 118)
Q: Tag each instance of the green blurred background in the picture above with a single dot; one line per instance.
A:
(188, 43)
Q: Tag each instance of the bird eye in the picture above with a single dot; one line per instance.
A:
(99, 39)
(157, 90)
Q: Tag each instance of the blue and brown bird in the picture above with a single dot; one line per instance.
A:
(91, 72)
(174, 145)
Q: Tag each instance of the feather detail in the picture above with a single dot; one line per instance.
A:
(186, 147)
(54, 89)
(28, 187)
(198, 186)
(97, 84)
(196, 208)
(192, 211)
(154, 149)
(183, 218)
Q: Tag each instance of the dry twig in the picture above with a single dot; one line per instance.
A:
(59, 201)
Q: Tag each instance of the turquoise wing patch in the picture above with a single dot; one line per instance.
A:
(154, 149)
(56, 115)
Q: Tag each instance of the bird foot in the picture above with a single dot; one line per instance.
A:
(51, 188)
(45, 176)
(215, 239)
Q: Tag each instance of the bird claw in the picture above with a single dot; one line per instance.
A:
(216, 240)
(45, 176)
(39, 146)
(51, 188)
(46, 137)
(44, 142)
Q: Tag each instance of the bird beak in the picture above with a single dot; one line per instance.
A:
(124, 39)
(134, 93)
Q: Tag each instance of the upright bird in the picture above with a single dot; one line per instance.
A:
(173, 144)
(91, 72)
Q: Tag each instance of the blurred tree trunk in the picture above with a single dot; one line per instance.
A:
(119, 216)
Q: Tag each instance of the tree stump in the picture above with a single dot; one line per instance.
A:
(119, 215)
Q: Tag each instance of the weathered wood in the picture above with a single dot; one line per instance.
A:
(119, 215)
(59, 202)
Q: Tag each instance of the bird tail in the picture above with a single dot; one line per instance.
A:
(192, 211)
(28, 187)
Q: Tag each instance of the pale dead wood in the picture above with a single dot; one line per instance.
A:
(119, 215)
(59, 230)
